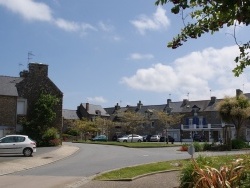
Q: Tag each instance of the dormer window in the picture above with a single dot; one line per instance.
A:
(98, 112)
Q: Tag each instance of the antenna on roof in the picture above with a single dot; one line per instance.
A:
(169, 95)
(29, 57)
(210, 93)
(188, 95)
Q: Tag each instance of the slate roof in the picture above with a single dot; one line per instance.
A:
(69, 114)
(94, 108)
(8, 85)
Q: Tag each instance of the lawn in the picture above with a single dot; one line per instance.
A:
(132, 145)
(129, 173)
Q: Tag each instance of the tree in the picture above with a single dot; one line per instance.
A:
(41, 118)
(85, 127)
(132, 120)
(235, 110)
(103, 125)
(210, 16)
(167, 119)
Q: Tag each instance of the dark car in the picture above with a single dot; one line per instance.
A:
(199, 138)
(170, 139)
(100, 138)
(146, 138)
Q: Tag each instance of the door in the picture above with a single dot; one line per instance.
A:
(8, 145)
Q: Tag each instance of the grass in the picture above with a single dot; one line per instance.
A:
(133, 171)
(133, 144)
(129, 173)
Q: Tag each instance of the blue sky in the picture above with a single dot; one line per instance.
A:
(115, 51)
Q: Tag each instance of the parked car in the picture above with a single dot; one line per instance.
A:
(146, 138)
(100, 138)
(131, 138)
(199, 138)
(17, 144)
(155, 138)
(170, 139)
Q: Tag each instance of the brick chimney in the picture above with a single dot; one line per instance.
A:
(213, 99)
(184, 102)
(87, 106)
(238, 92)
(139, 105)
(38, 69)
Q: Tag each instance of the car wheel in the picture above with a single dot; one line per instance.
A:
(139, 140)
(27, 152)
(124, 140)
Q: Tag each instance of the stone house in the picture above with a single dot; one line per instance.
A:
(84, 111)
(19, 94)
(199, 117)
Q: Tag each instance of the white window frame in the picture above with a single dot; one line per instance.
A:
(21, 107)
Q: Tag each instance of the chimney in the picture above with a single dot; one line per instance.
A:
(168, 102)
(238, 92)
(185, 102)
(38, 69)
(139, 105)
(213, 99)
(24, 73)
(117, 107)
(87, 106)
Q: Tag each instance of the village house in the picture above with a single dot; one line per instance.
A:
(199, 118)
(19, 94)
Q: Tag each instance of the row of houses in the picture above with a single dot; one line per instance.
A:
(19, 94)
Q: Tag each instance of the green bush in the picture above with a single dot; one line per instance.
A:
(238, 144)
(51, 137)
(186, 177)
(206, 146)
(189, 175)
(198, 147)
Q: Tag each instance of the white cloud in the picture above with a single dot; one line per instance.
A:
(105, 27)
(96, 99)
(158, 21)
(196, 73)
(73, 26)
(37, 11)
(138, 56)
(28, 9)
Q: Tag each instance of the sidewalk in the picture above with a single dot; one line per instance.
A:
(32, 162)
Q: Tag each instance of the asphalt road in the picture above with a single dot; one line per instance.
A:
(40, 150)
(92, 159)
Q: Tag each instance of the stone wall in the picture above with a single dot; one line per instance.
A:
(8, 109)
(36, 83)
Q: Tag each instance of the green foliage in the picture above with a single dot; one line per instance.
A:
(132, 120)
(198, 147)
(206, 146)
(205, 16)
(72, 132)
(239, 144)
(50, 137)
(42, 117)
(235, 110)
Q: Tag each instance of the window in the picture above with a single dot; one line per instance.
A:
(190, 121)
(21, 106)
(200, 121)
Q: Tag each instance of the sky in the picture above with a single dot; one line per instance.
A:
(115, 51)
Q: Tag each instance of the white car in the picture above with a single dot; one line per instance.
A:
(131, 138)
(17, 144)
(155, 138)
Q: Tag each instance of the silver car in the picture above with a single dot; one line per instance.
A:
(131, 138)
(17, 144)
